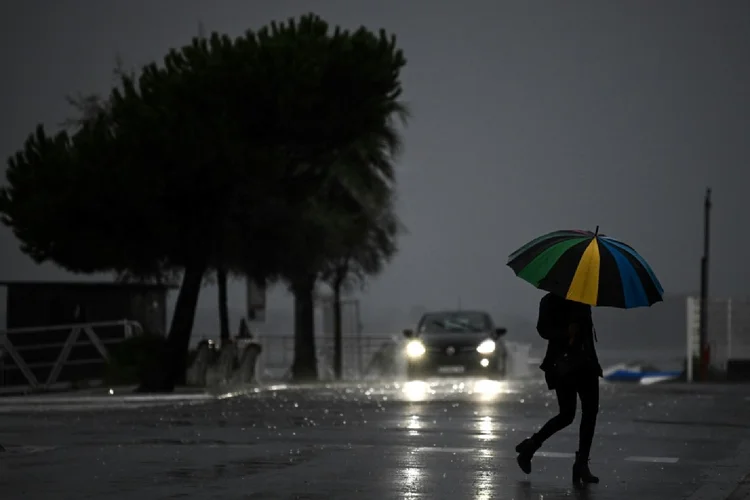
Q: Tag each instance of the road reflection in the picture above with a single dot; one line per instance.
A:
(486, 428)
(410, 480)
(478, 390)
(413, 424)
(413, 479)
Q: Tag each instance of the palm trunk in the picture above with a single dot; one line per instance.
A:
(221, 279)
(305, 364)
(172, 370)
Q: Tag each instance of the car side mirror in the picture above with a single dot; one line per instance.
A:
(499, 332)
(408, 333)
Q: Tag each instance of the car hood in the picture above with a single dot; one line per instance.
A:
(454, 339)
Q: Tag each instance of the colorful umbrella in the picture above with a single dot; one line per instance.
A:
(587, 267)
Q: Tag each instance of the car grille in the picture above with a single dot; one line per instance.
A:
(450, 350)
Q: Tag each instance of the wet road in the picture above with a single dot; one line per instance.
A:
(449, 439)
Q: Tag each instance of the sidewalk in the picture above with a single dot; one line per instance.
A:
(742, 492)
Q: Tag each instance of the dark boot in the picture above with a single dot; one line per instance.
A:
(581, 472)
(526, 450)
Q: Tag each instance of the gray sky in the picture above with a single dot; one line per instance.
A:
(528, 116)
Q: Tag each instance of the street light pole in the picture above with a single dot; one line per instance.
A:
(703, 320)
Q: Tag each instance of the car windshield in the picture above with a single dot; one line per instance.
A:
(455, 322)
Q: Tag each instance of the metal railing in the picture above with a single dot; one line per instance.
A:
(41, 354)
(357, 355)
(728, 332)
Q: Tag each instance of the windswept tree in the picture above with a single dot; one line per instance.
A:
(143, 187)
(64, 207)
(340, 93)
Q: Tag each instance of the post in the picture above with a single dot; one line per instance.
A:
(729, 332)
(358, 326)
(690, 337)
(338, 347)
(704, 356)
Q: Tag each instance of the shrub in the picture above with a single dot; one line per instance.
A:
(131, 359)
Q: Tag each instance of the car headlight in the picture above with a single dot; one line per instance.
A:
(415, 349)
(486, 347)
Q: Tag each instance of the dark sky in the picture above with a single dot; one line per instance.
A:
(528, 116)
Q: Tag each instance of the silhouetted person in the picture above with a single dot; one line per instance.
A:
(571, 368)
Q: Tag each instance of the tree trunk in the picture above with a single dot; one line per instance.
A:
(173, 367)
(305, 365)
(337, 334)
(221, 278)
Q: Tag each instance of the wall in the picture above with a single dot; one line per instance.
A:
(40, 305)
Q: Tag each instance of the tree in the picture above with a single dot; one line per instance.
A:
(88, 107)
(365, 245)
(177, 126)
(340, 96)
(62, 207)
(143, 187)
(221, 283)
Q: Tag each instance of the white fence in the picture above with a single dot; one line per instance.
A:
(20, 350)
(357, 356)
(727, 331)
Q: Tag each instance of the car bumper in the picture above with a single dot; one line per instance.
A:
(470, 363)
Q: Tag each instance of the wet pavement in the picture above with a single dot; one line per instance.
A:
(449, 439)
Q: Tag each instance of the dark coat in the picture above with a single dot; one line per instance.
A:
(555, 316)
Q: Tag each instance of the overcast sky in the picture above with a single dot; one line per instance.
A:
(528, 116)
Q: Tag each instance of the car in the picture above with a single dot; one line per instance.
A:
(455, 343)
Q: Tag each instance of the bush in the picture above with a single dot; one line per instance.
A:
(131, 359)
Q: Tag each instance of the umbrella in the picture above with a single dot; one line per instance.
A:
(587, 267)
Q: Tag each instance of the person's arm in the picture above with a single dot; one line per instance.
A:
(592, 338)
(596, 359)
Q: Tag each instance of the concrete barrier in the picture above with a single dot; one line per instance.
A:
(235, 363)
(245, 372)
(517, 359)
(196, 374)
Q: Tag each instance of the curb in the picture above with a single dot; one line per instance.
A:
(742, 491)
(128, 399)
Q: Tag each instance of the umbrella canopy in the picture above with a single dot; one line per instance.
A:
(587, 267)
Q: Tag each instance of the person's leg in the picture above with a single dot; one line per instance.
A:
(566, 400)
(588, 391)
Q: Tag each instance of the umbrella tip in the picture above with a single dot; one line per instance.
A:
(596, 231)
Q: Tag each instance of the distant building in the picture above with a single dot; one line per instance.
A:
(49, 308)
(48, 303)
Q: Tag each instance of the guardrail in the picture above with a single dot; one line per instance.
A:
(41, 354)
(358, 352)
(728, 334)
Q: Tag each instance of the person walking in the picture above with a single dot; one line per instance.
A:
(571, 368)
